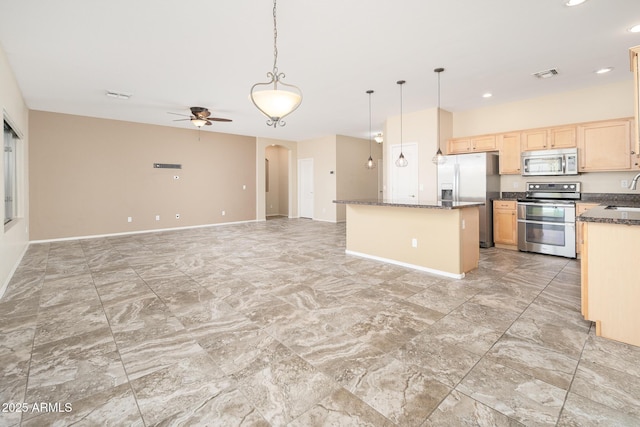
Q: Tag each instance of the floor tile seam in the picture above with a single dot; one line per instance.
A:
(35, 332)
(485, 358)
(331, 410)
(115, 343)
(490, 407)
(575, 372)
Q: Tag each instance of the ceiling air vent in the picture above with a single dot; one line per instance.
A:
(546, 73)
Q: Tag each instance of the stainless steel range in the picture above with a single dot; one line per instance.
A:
(547, 218)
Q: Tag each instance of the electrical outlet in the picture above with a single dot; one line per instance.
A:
(177, 216)
(463, 224)
(157, 217)
(223, 213)
(244, 187)
(624, 183)
(129, 219)
(414, 243)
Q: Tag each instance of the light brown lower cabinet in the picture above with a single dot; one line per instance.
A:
(609, 279)
(505, 224)
(580, 209)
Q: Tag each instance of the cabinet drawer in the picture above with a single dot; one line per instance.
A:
(504, 204)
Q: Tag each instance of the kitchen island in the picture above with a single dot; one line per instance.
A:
(609, 270)
(437, 237)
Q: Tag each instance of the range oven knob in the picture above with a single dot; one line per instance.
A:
(566, 186)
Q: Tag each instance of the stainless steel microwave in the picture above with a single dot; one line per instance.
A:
(550, 162)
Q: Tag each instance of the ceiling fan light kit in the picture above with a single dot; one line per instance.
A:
(283, 99)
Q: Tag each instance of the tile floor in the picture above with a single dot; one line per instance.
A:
(271, 323)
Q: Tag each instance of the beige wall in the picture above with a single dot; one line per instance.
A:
(14, 237)
(353, 180)
(88, 175)
(323, 152)
(292, 176)
(609, 101)
(419, 127)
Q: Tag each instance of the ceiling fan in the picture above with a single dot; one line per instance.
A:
(201, 116)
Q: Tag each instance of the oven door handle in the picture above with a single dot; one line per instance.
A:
(555, 205)
(528, 221)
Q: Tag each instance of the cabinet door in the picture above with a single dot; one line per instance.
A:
(484, 143)
(580, 209)
(509, 152)
(505, 222)
(605, 146)
(534, 139)
(457, 146)
(564, 137)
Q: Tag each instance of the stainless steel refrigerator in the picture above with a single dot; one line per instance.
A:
(472, 177)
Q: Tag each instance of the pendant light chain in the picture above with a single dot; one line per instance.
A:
(275, 98)
(438, 115)
(439, 158)
(275, 40)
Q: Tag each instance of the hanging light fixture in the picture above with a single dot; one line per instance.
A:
(401, 162)
(439, 158)
(370, 163)
(279, 102)
(378, 138)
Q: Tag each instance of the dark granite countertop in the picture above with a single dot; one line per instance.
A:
(411, 203)
(604, 213)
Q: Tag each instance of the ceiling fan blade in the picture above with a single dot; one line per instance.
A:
(181, 120)
(178, 114)
(208, 123)
(219, 119)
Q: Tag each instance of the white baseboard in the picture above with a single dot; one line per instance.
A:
(404, 264)
(127, 233)
(5, 285)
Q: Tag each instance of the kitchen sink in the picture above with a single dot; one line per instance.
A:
(624, 208)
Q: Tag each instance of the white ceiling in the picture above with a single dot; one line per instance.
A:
(174, 54)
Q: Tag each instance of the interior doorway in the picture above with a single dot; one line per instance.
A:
(277, 197)
(404, 181)
(305, 188)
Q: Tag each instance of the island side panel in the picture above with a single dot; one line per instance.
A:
(470, 238)
(612, 284)
(387, 232)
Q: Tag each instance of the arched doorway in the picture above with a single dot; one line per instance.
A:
(277, 198)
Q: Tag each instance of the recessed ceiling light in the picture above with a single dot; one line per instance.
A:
(487, 95)
(574, 2)
(604, 70)
(635, 29)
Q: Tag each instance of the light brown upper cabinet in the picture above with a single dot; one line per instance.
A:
(605, 146)
(509, 152)
(549, 138)
(472, 144)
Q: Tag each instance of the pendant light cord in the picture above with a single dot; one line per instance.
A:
(369, 92)
(438, 115)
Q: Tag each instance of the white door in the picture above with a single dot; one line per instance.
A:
(305, 187)
(404, 181)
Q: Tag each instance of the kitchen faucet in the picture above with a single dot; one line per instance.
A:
(634, 181)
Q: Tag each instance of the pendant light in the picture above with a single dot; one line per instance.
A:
(401, 162)
(370, 163)
(439, 158)
(283, 99)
